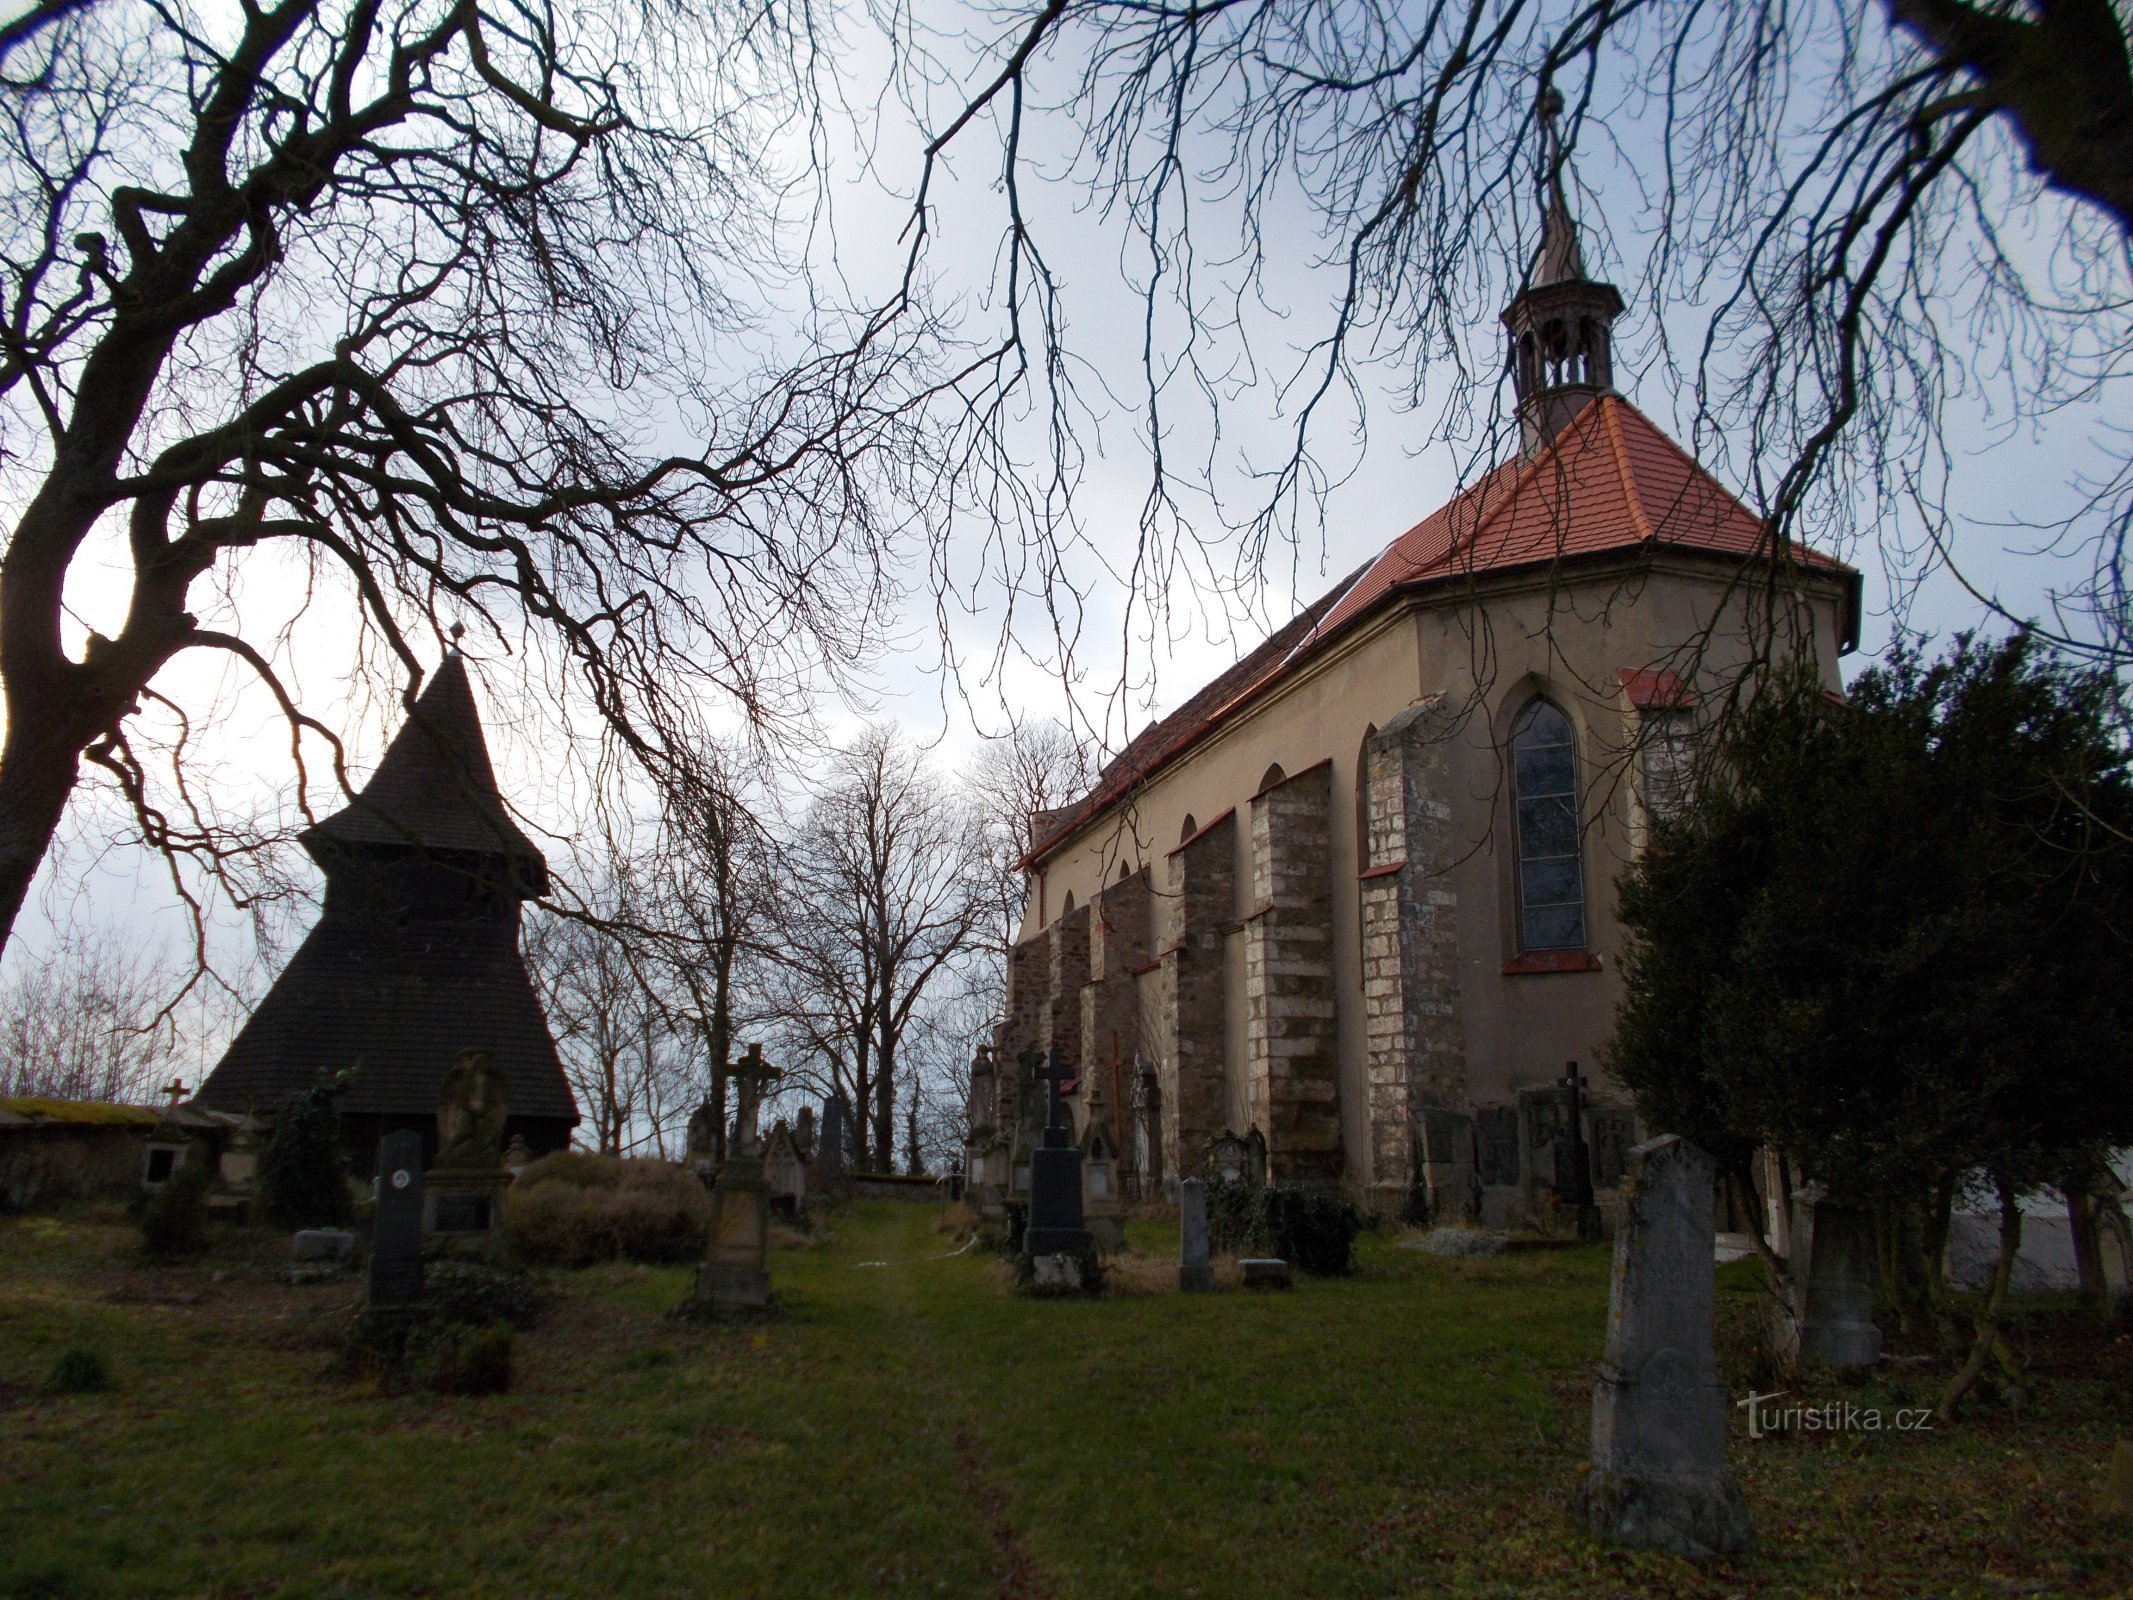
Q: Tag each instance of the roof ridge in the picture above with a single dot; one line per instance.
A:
(1620, 452)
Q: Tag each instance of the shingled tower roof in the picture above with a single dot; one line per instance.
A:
(416, 955)
(435, 789)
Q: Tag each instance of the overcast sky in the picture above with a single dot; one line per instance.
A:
(1403, 473)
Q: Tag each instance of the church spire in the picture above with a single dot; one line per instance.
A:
(1561, 322)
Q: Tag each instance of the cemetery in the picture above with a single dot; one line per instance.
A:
(906, 1423)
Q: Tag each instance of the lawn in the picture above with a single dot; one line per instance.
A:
(909, 1428)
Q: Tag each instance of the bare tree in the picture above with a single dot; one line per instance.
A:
(1862, 222)
(89, 1024)
(715, 901)
(1016, 785)
(460, 306)
(885, 893)
(630, 1069)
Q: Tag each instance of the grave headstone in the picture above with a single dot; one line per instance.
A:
(1196, 1274)
(699, 1152)
(1225, 1157)
(463, 1190)
(826, 1171)
(783, 1171)
(1102, 1214)
(733, 1279)
(1263, 1272)
(1255, 1167)
(396, 1224)
(1056, 1241)
(1658, 1478)
(1833, 1269)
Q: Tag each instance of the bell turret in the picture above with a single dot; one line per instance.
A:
(1561, 323)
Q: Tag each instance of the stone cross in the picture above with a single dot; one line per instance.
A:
(1054, 1076)
(1658, 1478)
(175, 1089)
(396, 1226)
(1196, 1274)
(751, 1076)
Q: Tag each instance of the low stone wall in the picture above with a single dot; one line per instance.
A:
(50, 1166)
(894, 1186)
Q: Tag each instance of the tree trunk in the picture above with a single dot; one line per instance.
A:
(1988, 1318)
(885, 1112)
(39, 765)
(2097, 1223)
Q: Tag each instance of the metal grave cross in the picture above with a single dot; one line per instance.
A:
(1054, 1076)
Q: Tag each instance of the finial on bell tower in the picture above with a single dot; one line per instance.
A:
(1561, 323)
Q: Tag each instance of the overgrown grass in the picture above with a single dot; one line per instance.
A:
(909, 1429)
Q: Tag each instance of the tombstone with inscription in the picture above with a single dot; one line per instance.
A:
(1056, 1244)
(463, 1191)
(1225, 1157)
(1450, 1185)
(1101, 1212)
(803, 1134)
(1196, 1274)
(784, 1172)
(1658, 1478)
(733, 1280)
(396, 1224)
(1831, 1320)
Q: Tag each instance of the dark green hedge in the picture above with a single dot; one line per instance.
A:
(1311, 1230)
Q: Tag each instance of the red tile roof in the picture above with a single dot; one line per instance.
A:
(1610, 482)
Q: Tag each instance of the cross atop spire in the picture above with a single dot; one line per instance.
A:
(1560, 323)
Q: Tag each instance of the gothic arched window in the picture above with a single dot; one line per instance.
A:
(1544, 789)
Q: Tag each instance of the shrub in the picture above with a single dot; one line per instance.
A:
(1312, 1231)
(79, 1370)
(303, 1172)
(573, 1210)
(462, 1358)
(174, 1221)
(478, 1293)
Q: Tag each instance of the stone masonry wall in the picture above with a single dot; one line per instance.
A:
(1110, 1002)
(1068, 940)
(1421, 1137)
(1189, 997)
(1292, 1067)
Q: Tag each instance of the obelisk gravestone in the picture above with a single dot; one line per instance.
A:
(1658, 1478)
(396, 1225)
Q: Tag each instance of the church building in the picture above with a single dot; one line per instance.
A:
(415, 957)
(1352, 903)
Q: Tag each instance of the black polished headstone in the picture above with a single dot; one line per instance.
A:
(396, 1231)
(1056, 1225)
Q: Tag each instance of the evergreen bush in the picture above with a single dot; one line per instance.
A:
(174, 1220)
(1312, 1231)
(303, 1172)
